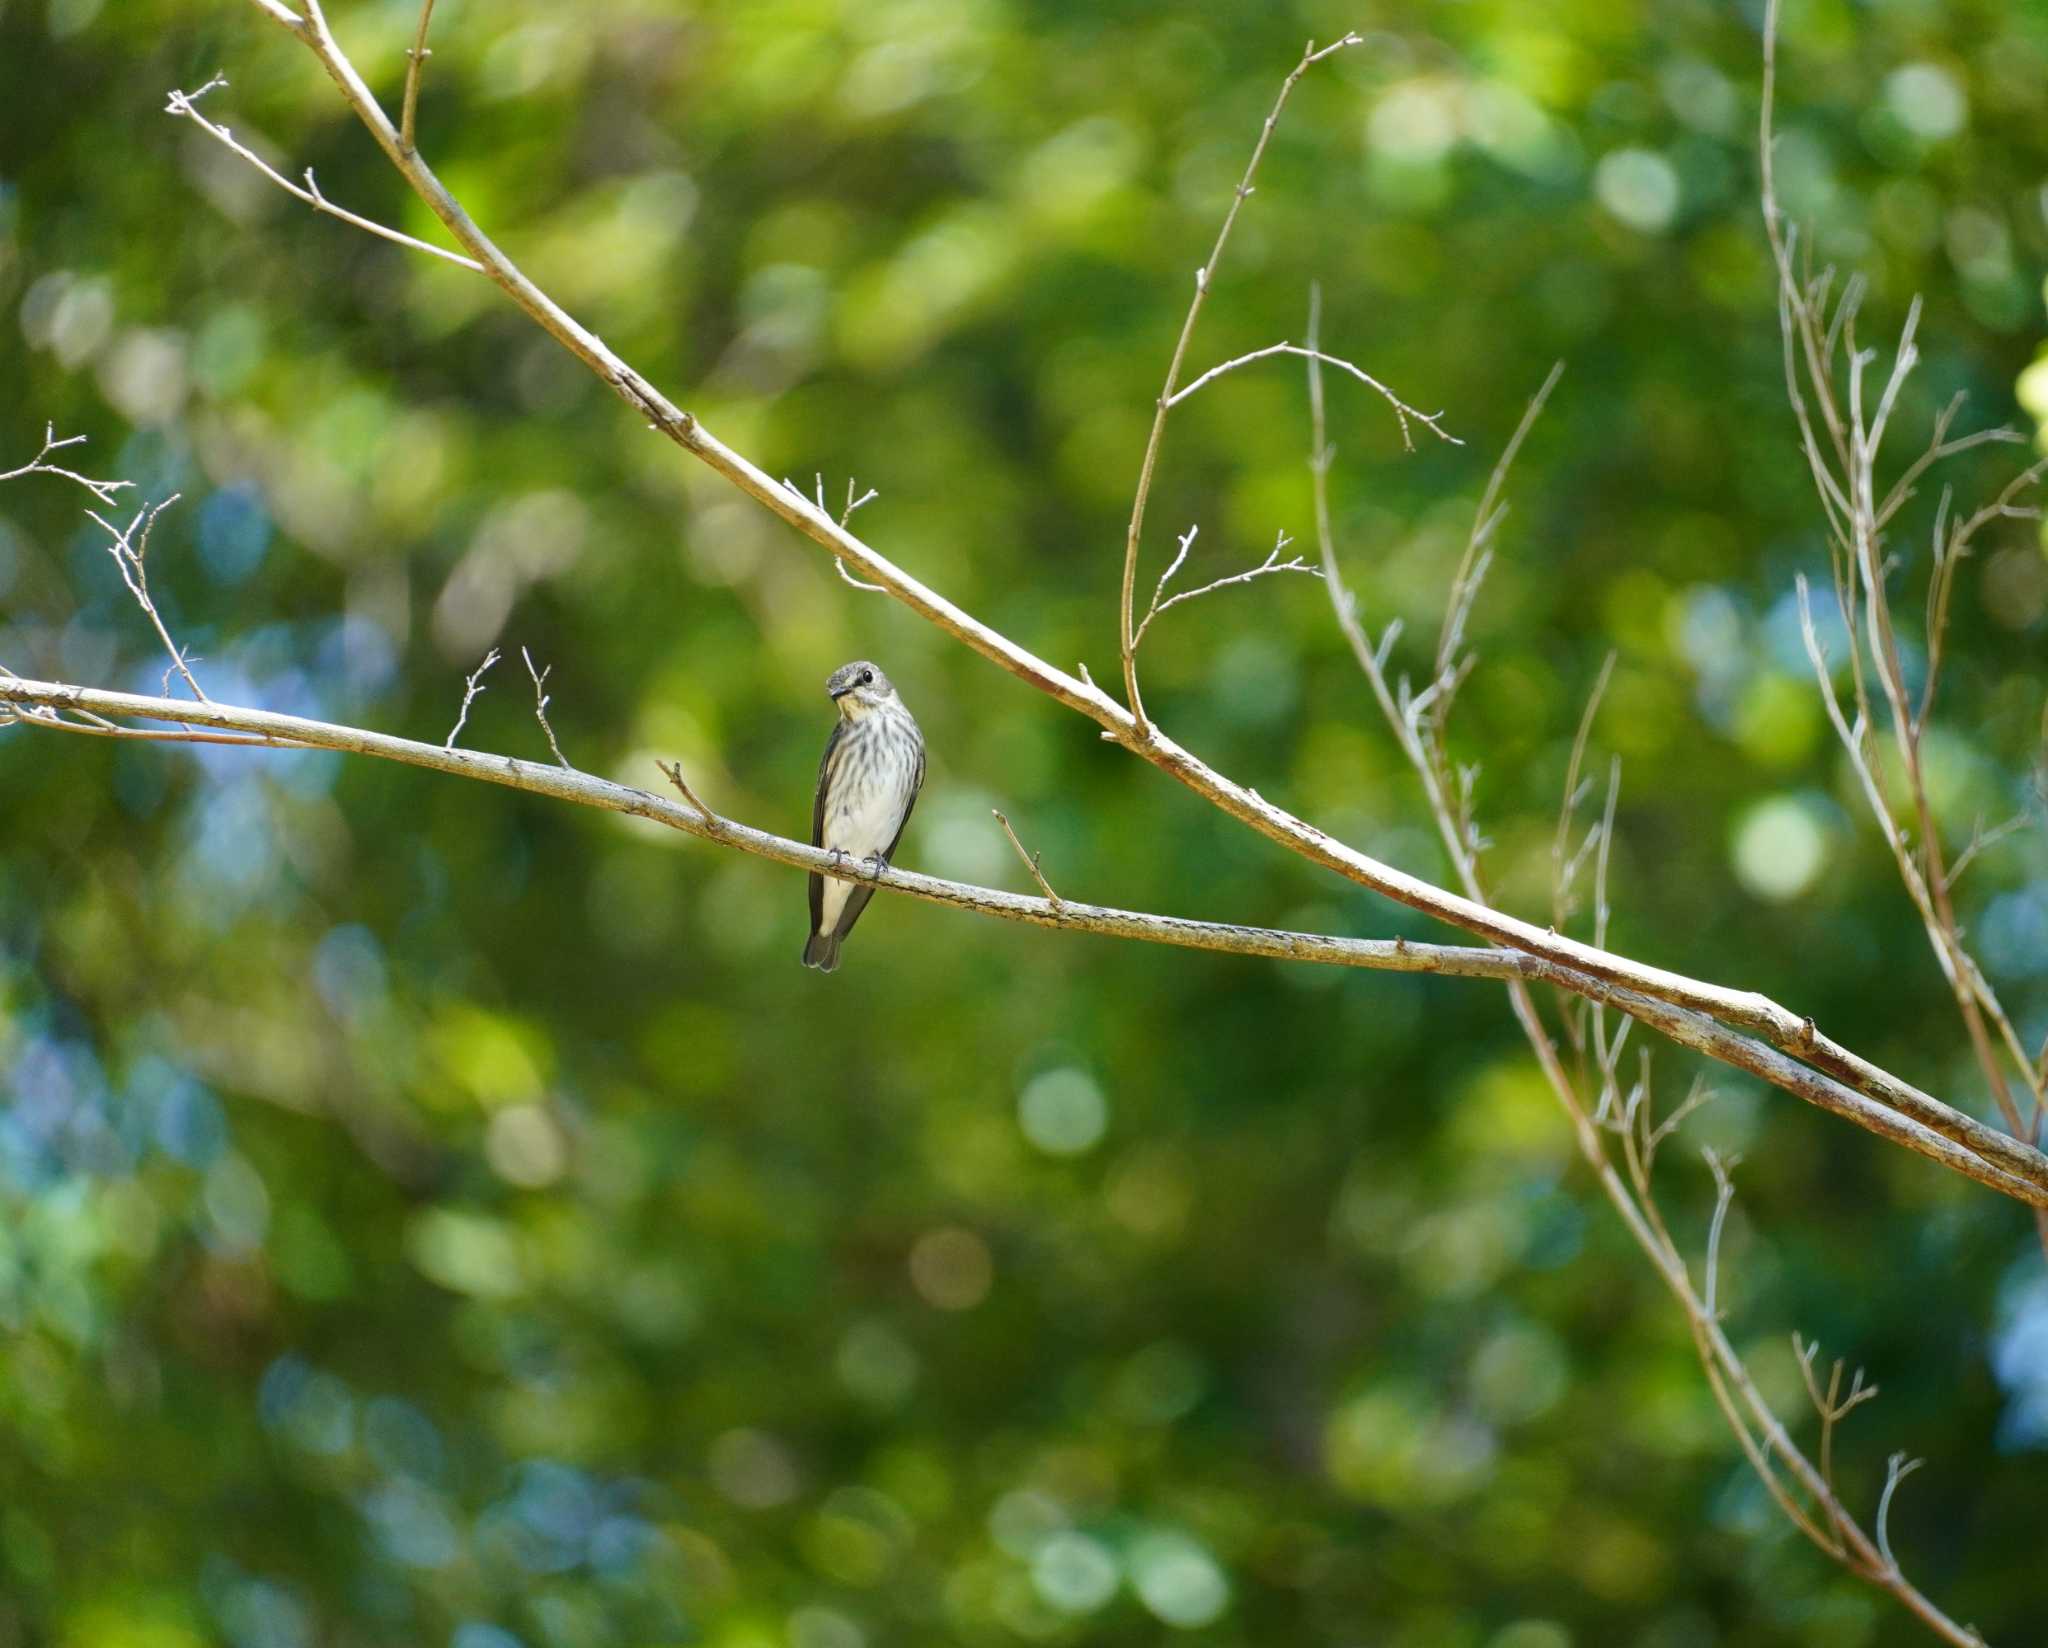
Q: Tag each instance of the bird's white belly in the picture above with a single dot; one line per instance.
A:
(864, 823)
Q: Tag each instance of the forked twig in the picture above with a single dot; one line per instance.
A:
(128, 550)
(470, 689)
(1204, 278)
(1272, 563)
(540, 704)
(845, 515)
(39, 465)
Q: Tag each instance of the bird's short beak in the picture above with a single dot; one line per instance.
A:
(835, 694)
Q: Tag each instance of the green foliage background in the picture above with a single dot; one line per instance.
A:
(428, 1214)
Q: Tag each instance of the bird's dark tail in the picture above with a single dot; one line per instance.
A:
(822, 952)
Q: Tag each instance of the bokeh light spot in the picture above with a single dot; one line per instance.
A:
(1178, 1581)
(950, 1267)
(1075, 1573)
(1638, 186)
(1063, 1112)
(1780, 847)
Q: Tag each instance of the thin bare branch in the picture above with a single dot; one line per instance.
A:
(186, 104)
(1404, 414)
(1030, 861)
(415, 60)
(470, 689)
(673, 772)
(1564, 864)
(128, 545)
(1204, 278)
(40, 465)
(1272, 563)
(1897, 1469)
(1980, 840)
(1471, 573)
(1845, 474)
(540, 703)
(845, 515)
(585, 789)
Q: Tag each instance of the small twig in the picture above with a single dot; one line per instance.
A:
(1404, 414)
(1473, 564)
(1980, 839)
(415, 60)
(1564, 864)
(1180, 555)
(540, 702)
(470, 689)
(853, 503)
(1204, 278)
(128, 551)
(1897, 1469)
(673, 772)
(1030, 862)
(102, 490)
(1832, 1406)
(1696, 1095)
(817, 500)
(186, 105)
(95, 727)
(1272, 563)
(1724, 1194)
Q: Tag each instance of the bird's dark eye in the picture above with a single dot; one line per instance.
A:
(867, 677)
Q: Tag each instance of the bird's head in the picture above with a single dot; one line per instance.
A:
(859, 689)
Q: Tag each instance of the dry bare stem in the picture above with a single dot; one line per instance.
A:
(540, 696)
(1030, 862)
(1843, 445)
(470, 689)
(1204, 278)
(129, 545)
(186, 104)
(415, 60)
(105, 491)
(1762, 1436)
(1162, 602)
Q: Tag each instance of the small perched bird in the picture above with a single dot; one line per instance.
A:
(867, 784)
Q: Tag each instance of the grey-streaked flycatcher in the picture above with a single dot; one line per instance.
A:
(867, 784)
